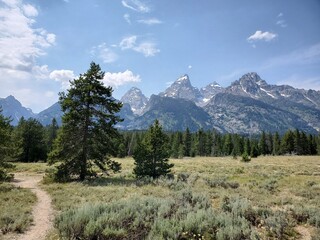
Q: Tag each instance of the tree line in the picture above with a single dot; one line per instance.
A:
(214, 143)
(88, 138)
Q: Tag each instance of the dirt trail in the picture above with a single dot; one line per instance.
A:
(42, 211)
(304, 232)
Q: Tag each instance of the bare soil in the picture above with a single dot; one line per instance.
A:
(304, 232)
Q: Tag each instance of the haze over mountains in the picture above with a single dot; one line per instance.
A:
(248, 106)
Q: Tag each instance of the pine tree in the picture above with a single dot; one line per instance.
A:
(263, 148)
(87, 132)
(228, 145)
(52, 132)
(31, 140)
(276, 144)
(6, 147)
(287, 143)
(152, 153)
(187, 143)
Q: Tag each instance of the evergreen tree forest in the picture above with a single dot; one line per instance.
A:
(31, 142)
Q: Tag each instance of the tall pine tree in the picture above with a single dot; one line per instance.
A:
(87, 131)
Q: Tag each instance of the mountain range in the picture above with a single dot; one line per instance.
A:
(248, 106)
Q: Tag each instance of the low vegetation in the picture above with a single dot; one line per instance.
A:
(16, 208)
(206, 198)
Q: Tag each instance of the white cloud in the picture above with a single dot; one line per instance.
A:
(106, 54)
(30, 11)
(21, 44)
(262, 36)
(127, 18)
(63, 76)
(189, 66)
(150, 21)
(147, 48)
(40, 72)
(120, 78)
(51, 38)
(128, 42)
(136, 5)
(280, 14)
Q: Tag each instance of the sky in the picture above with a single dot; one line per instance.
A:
(151, 43)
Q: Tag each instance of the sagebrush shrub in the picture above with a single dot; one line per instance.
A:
(186, 215)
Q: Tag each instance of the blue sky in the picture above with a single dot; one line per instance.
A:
(150, 43)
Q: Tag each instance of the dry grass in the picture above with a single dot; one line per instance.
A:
(282, 183)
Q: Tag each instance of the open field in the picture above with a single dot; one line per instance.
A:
(267, 198)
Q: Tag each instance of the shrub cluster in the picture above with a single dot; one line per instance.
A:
(184, 216)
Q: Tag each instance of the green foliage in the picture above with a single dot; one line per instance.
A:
(221, 182)
(16, 207)
(87, 135)
(245, 157)
(184, 216)
(51, 133)
(31, 140)
(151, 155)
(6, 148)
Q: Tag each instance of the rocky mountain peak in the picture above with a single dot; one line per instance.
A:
(182, 88)
(211, 90)
(136, 99)
(183, 79)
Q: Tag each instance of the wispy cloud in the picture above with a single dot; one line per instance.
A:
(136, 5)
(127, 18)
(302, 56)
(262, 36)
(301, 82)
(150, 21)
(120, 78)
(281, 22)
(103, 52)
(147, 48)
(128, 42)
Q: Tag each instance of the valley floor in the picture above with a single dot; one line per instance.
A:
(279, 196)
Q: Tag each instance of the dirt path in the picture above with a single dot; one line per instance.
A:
(304, 232)
(42, 211)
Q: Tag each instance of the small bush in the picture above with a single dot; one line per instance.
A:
(271, 185)
(277, 225)
(245, 158)
(309, 215)
(183, 176)
(222, 182)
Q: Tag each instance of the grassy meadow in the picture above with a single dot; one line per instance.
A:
(208, 198)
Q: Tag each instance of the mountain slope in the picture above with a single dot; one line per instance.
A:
(173, 114)
(249, 105)
(304, 103)
(12, 108)
(45, 117)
